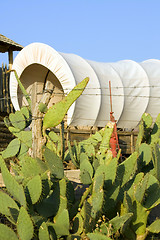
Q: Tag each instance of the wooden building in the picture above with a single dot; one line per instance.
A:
(6, 45)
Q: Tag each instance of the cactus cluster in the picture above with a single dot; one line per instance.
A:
(39, 200)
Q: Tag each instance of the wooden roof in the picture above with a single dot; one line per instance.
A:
(7, 44)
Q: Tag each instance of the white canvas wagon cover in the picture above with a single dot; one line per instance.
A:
(135, 86)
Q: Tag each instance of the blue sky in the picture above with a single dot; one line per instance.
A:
(100, 30)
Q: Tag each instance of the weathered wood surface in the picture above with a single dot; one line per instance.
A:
(5, 134)
(5, 101)
(127, 140)
(72, 175)
(37, 138)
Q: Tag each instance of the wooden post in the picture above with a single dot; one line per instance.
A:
(7, 90)
(37, 139)
(132, 142)
(62, 140)
(10, 56)
(3, 88)
(34, 96)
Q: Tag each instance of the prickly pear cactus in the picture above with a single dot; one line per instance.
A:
(39, 200)
(57, 112)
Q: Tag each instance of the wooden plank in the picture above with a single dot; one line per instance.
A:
(10, 56)
(7, 90)
(3, 89)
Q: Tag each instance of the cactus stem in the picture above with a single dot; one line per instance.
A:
(22, 88)
(85, 195)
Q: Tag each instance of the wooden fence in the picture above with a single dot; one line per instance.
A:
(6, 107)
(5, 101)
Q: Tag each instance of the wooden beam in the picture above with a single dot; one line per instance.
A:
(10, 56)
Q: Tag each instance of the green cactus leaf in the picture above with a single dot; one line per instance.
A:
(7, 122)
(25, 227)
(77, 227)
(119, 221)
(97, 136)
(52, 146)
(110, 200)
(147, 120)
(57, 112)
(23, 151)
(41, 165)
(77, 149)
(49, 206)
(88, 148)
(42, 107)
(15, 189)
(8, 206)
(97, 196)
(109, 172)
(72, 153)
(70, 193)
(54, 137)
(63, 198)
(7, 233)
(141, 189)
(61, 225)
(25, 111)
(95, 164)
(139, 220)
(83, 157)
(16, 170)
(36, 219)
(34, 187)
(106, 139)
(54, 163)
(85, 177)
(155, 131)
(14, 130)
(156, 160)
(127, 202)
(63, 185)
(43, 232)
(46, 184)
(97, 202)
(127, 169)
(145, 153)
(86, 215)
(86, 165)
(30, 167)
(140, 135)
(154, 227)
(52, 233)
(138, 179)
(108, 157)
(152, 196)
(98, 183)
(97, 236)
(18, 120)
(12, 149)
(27, 114)
(26, 95)
(25, 137)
